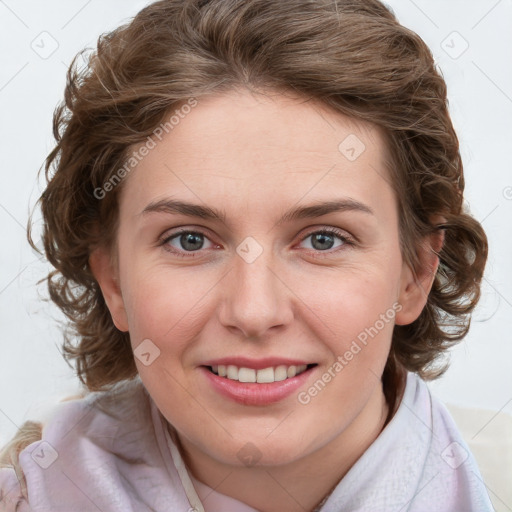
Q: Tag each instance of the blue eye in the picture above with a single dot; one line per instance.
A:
(186, 243)
(190, 242)
(323, 239)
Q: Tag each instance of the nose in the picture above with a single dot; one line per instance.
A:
(255, 298)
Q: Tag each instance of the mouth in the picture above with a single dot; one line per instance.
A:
(262, 387)
(261, 376)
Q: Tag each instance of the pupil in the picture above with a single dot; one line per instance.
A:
(322, 238)
(190, 238)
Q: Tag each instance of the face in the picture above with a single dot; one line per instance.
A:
(301, 266)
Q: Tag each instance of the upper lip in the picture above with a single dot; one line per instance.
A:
(255, 364)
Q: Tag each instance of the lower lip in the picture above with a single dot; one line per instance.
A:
(251, 393)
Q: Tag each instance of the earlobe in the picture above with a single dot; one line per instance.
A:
(107, 278)
(414, 289)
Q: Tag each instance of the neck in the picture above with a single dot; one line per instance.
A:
(302, 484)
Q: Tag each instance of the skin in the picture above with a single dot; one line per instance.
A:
(255, 156)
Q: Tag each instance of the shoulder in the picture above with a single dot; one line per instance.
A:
(97, 416)
(11, 496)
(450, 472)
(104, 420)
(418, 462)
(96, 425)
(13, 491)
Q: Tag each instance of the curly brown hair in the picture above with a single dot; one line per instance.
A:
(352, 55)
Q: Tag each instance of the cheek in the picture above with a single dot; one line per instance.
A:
(350, 300)
(353, 314)
(165, 309)
(356, 325)
(164, 304)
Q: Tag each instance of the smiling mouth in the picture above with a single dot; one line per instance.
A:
(262, 376)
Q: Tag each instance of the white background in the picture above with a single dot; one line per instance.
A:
(33, 374)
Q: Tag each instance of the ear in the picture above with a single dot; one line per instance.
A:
(414, 290)
(106, 274)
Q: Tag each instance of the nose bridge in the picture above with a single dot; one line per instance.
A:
(256, 300)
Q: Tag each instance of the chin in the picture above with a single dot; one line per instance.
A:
(263, 453)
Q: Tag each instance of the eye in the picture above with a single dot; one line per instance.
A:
(323, 240)
(185, 242)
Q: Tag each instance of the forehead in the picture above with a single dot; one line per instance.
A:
(243, 144)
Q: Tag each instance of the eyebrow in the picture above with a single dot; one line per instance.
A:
(303, 212)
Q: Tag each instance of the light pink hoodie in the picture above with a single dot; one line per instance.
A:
(112, 452)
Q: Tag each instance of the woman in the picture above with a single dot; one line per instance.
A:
(254, 210)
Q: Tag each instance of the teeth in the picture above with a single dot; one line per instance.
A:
(232, 372)
(246, 375)
(265, 375)
(280, 373)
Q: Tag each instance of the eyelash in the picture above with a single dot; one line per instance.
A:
(316, 254)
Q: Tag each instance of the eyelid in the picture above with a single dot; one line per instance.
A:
(174, 232)
(348, 240)
(341, 233)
